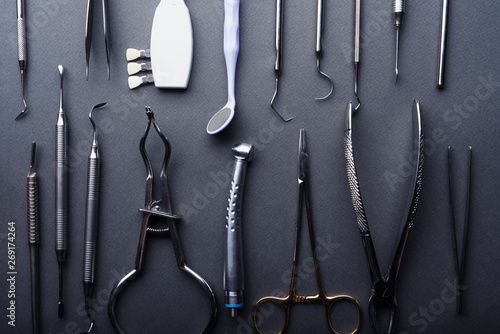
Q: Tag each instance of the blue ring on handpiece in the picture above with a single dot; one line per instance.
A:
(234, 305)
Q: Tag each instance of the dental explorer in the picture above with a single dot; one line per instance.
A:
(442, 45)
(89, 29)
(319, 30)
(22, 50)
(91, 219)
(34, 241)
(399, 12)
(61, 192)
(357, 32)
(234, 282)
(278, 47)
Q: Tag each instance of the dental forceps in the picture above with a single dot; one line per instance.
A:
(89, 29)
(161, 209)
(320, 298)
(384, 287)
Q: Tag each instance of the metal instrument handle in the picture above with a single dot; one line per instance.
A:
(91, 217)
(61, 189)
(278, 37)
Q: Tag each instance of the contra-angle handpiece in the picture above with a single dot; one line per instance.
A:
(399, 12)
(234, 282)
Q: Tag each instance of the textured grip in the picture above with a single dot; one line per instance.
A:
(33, 211)
(418, 183)
(89, 252)
(91, 219)
(357, 201)
(21, 39)
(61, 189)
(399, 6)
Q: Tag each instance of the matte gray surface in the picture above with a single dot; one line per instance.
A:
(163, 300)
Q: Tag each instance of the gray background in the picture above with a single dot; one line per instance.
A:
(163, 300)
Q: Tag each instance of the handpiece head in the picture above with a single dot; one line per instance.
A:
(243, 152)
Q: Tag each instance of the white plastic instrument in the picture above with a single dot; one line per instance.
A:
(171, 50)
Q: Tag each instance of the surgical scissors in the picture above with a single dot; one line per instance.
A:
(383, 287)
(161, 209)
(320, 298)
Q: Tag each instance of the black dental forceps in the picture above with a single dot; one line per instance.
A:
(161, 209)
(89, 29)
(320, 298)
(383, 287)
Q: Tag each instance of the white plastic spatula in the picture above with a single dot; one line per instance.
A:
(223, 117)
(171, 49)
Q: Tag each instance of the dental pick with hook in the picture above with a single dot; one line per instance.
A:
(319, 30)
(278, 46)
(357, 32)
(91, 220)
(22, 50)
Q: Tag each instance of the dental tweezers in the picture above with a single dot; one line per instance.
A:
(89, 29)
(459, 260)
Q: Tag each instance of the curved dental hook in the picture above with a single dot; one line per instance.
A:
(97, 106)
(91, 318)
(23, 112)
(272, 103)
(326, 77)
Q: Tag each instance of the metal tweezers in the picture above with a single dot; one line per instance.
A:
(384, 287)
(162, 210)
(88, 32)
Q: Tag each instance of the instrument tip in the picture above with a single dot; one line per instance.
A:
(60, 310)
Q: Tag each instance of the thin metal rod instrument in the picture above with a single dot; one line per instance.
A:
(442, 45)
(234, 282)
(357, 34)
(399, 12)
(384, 287)
(161, 210)
(279, 52)
(91, 219)
(89, 27)
(285, 303)
(61, 191)
(34, 240)
(21, 49)
(459, 261)
(319, 49)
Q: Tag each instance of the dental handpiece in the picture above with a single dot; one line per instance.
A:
(91, 218)
(61, 193)
(34, 241)
(234, 282)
